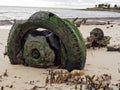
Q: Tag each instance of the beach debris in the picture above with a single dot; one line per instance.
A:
(75, 19)
(81, 81)
(117, 85)
(85, 82)
(5, 74)
(11, 86)
(34, 88)
(45, 40)
(111, 26)
(5, 53)
(2, 87)
(8, 86)
(32, 82)
(17, 77)
(79, 22)
(113, 48)
(108, 22)
(97, 39)
(46, 81)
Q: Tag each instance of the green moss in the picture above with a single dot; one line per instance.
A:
(71, 38)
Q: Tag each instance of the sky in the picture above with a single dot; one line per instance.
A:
(57, 3)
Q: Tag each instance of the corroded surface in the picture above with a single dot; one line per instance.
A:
(97, 38)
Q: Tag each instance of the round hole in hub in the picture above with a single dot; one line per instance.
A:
(35, 53)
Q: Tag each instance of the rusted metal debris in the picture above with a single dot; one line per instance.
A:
(97, 39)
(79, 22)
(113, 48)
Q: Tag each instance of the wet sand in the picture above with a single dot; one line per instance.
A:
(98, 62)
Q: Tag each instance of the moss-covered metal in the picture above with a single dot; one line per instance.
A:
(97, 38)
(98, 33)
(37, 52)
(73, 46)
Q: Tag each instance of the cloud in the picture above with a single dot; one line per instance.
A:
(57, 3)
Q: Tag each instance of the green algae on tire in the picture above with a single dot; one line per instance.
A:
(70, 37)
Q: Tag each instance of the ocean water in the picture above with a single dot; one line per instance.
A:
(10, 13)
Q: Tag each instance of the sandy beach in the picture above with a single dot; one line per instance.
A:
(99, 61)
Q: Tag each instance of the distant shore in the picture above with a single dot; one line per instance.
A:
(103, 9)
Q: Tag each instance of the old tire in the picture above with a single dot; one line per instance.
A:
(66, 31)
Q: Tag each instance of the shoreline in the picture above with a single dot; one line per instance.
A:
(90, 21)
